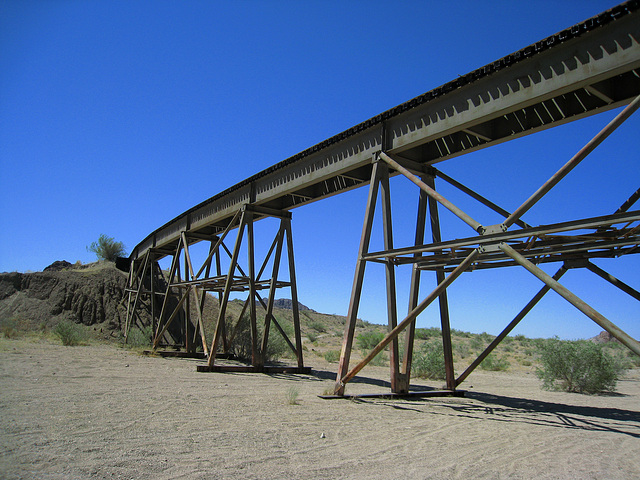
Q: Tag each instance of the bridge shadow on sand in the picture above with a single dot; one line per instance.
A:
(500, 408)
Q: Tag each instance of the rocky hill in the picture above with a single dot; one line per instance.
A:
(87, 294)
(92, 295)
(287, 304)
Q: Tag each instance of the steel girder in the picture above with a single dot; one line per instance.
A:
(186, 289)
(585, 69)
(511, 243)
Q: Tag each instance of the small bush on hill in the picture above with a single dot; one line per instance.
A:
(68, 332)
(428, 361)
(577, 366)
(318, 326)
(368, 340)
(380, 360)
(476, 343)
(494, 364)
(106, 248)
(427, 333)
(332, 356)
(9, 328)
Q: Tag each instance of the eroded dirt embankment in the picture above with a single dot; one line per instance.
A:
(88, 294)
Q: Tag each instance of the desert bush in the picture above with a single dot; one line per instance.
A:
(318, 326)
(460, 333)
(68, 332)
(276, 346)
(494, 363)
(577, 366)
(476, 343)
(9, 328)
(140, 337)
(368, 340)
(380, 360)
(462, 350)
(428, 361)
(292, 395)
(427, 333)
(332, 356)
(312, 337)
(106, 248)
(486, 337)
(633, 359)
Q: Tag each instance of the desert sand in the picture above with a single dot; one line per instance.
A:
(103, 412)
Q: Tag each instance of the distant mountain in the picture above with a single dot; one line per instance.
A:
(287, 304)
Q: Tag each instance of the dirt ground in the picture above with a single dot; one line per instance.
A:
(103, 412)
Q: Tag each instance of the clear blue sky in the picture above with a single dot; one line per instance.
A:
(117, 116)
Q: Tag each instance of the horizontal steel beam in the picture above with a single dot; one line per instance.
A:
(473, 242)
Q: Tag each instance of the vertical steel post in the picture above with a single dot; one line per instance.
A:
(414, 293)
(256, 357)
(442, 299)
(272, 289)
(165, 301)
(356, 290)
(448, 280)
(390, 275)
(187, 305)
(227, 290)
(294, 293)
(152, 278)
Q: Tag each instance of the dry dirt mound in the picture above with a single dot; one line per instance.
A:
(87, 294)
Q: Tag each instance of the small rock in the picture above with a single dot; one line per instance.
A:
(322, 435)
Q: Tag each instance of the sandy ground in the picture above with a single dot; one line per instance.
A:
(103, 412)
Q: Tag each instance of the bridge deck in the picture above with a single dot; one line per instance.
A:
(586, 69)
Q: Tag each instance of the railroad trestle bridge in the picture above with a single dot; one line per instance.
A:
(586, 69)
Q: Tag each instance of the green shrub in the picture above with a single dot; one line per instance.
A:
(380, 360)
(292, 395)
(577, 366)
(140, 338)
(318, 326)
(486, 337)
(312, 337)
(9, 328)
(428, 361)
(427, 333)
(106, 248)
(476, 343)
(277, 346)
(634, 359)
(460, 333)
(368, 340)
(68, 332)
(462, 350)
(332, 356)
(494, 363)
